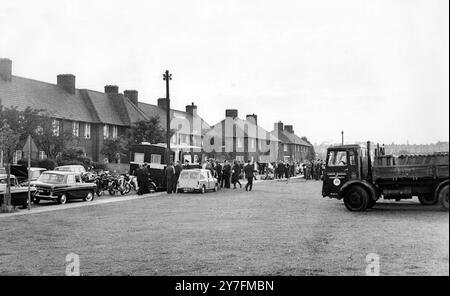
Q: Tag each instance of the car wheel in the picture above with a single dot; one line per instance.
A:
(62, 199)
(443, 197)
(99, 192)
(371, 203)
(428, 199)
(356, 199)
(36, 200)
(180, 190)
(111, 192)
(203, 190)
(216, 188)
(89, 196)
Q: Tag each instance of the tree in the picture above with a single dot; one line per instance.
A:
(148, 131)
(311, 155)
(114, 149)
(9, 141)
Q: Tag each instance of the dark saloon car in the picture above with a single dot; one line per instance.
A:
(19, 195)
(62, 186)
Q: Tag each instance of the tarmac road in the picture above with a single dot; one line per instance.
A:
(278, 229)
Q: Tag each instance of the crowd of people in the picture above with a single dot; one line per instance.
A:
(230, 173)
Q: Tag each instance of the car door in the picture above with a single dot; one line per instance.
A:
(209, 180)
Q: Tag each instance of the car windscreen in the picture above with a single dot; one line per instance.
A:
(51, 178)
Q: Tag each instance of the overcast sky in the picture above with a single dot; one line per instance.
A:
(379, 70)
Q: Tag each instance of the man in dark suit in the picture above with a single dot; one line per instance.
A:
(226, 174)
(178, 169)
(170, 177)
(219, 173)
(249, 175)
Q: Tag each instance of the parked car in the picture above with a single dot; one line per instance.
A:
(71, 168)
(197, 180)
(21, 172)
(62, 186)
(19, 195)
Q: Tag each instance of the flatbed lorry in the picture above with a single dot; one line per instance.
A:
(351, 174)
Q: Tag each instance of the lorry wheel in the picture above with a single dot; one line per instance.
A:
(371, 203)
(443, 197)
(428, 199)
(356, 199)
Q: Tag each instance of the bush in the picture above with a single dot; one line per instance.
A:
(24, 161)
(100, 166)
(47, 163)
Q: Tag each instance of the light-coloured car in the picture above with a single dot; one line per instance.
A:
(71, 168)
(197, 180)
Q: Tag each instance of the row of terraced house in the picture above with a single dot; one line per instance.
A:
(92, 117)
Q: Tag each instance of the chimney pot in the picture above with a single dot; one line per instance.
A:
(233, 113)
(289, 128)
(5, 69)
(111, 89)
(191, 109)
(67, 82)
(162, 103)
(252, 118)
(278, 126)
(132, 95)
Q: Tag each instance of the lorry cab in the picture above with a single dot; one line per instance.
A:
(343, 164)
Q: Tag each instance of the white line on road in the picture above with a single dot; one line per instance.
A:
(52, 208)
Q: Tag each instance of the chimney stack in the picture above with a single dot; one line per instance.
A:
(289, 128)
(233, 113)
(6, 69)
(162, 103)
(191, 109)
(278, 126)
(253, 118)
(132, 95)
(111, 89)
(67, 82)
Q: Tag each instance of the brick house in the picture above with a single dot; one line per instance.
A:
(238, 139)
(291, 147)
(91, 116)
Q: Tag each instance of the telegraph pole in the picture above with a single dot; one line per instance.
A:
(342, 133)
(167, 77)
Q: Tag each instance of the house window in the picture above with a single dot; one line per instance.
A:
(76, 129)
(17, 156)
(239, 142)
(285, 148)
(105, 131)
(42, 155)
(114, 132)
(87, 131)
(55, 127)
(252, 143)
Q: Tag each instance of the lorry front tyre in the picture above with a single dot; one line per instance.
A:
(443, 197)
(428, 199)
(356, 199)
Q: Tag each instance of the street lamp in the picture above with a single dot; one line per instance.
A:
(167, 77)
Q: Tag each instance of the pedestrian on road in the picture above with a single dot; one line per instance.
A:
(219, 173)
(226, 174)
(142, 179)
(249, 175)
(236, 172)
(178, 169)
(170, 177)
